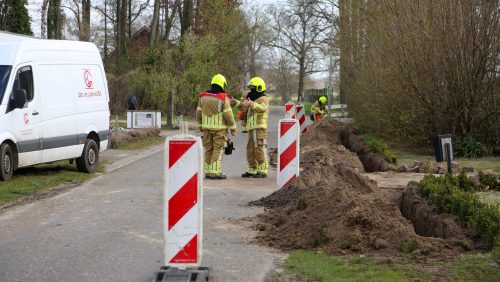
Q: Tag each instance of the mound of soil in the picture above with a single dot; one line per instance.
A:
(333, 207)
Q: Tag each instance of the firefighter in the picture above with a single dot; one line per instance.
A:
(319, 108)
(256, 107)
(215, 117)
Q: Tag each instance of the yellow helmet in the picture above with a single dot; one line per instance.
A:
(220, 80)
(258, 83)
(322, 99)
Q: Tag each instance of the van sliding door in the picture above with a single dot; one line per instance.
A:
(59, 120)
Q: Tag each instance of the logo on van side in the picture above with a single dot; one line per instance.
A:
(26, 118)
(87, 77)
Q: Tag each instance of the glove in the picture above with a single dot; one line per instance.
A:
(229, 148)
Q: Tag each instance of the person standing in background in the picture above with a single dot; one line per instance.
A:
(215, 116)
(256, 109)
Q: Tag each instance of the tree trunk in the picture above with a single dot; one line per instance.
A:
(105, 30)
(129, 25)
(344, 53)
(122, 27)
(85, 29)
(154, 23)
(54, 24)
(43, 19)
(170, 108)
(185, 16)
(302, 74)
(4, 9)
(251, 67)
(169, 19)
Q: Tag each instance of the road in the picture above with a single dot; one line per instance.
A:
(110, 228)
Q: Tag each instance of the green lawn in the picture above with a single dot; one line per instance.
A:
(321, 267)
(484, 163)
(143, 143)
(27, 181)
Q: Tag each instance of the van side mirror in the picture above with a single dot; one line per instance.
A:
(20, 98)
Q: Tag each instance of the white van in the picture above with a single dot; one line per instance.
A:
(54, 103)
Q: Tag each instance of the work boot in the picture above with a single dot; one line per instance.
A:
(218, 177)
(247, 174)
(259, 175)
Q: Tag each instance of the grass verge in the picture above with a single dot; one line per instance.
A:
(474, 267)
(31, 180)
(321, 267)
(142, 143)
(483, 163)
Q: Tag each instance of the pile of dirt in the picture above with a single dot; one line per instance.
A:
(329, 132)
(333, 207)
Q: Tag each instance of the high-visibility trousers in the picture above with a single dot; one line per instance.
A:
(213, 144)
(257, 152)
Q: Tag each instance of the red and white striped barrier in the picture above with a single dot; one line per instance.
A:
(301, 117)
(288, 151)
(183, 200)
(289, 110)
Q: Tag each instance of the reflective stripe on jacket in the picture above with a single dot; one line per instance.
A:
(317, 108)
(214, 112)
(256, 114)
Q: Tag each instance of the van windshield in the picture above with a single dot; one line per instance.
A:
(4, 76)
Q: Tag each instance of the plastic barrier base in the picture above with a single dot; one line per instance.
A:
(195, 274)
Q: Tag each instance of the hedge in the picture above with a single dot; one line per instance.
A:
(455, 195)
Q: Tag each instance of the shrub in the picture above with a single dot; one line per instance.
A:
(377, 145)
(455, 195)
(489, 180)
(468, 147)
(495, 254)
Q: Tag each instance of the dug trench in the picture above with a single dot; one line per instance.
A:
(333, 208)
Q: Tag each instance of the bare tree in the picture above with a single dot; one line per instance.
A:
(169, 13)
(300, 30)
(285, 74)
(134, 11)
(260, 35)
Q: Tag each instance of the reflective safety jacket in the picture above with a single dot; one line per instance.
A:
(318, 108)
(257, 113)
(214, 112)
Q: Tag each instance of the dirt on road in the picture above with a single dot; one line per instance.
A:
(334, 208)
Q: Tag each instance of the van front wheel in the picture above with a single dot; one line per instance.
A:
(6, 162)
(90, 157)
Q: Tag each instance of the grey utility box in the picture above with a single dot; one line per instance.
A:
(441, 142)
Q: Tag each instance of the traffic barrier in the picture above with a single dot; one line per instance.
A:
(183, 200)
(301, 117)
(290, 110)
(288, 151)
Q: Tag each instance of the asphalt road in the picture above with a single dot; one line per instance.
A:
(110, 228)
